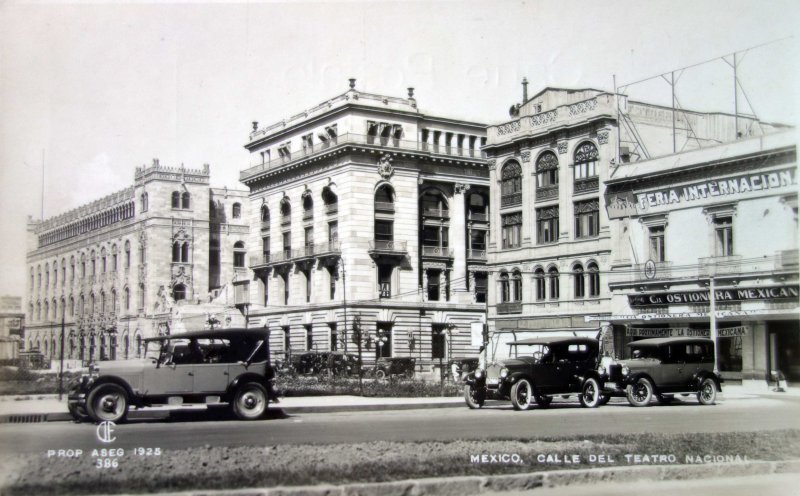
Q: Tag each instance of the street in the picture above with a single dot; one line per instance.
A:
(496, 420)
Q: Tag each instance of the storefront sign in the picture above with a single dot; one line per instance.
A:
(722, 295)
(672, 332)
(686, 316)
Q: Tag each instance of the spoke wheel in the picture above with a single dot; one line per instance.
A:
(107, 402)
(590, 393)
(522, 395)
(250, 402)
(707, 394)
(640, 392)
(471, 397)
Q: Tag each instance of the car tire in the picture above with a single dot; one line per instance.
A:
(108, 403)
(640, 392)
(522, 395)
(604, 399)
(543, 401)
(78, 413)
(665, 399)
(707, 394)
(380, 374)
(590, 393)
(470, 396)
(250, 402)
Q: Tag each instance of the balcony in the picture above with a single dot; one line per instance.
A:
(511, 200)
(509, 307)
(590, 185)
(547, 193)
(437, 252)
(720, 266)
(478, 217)
(441, 213)
(388, 251)
(360, 139)
(478, 255)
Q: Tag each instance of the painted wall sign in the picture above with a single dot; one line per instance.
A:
(686, 316)
(672, 332)
(721, 295)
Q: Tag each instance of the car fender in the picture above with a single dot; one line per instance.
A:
(703, 374)
(475, 382)
(247, 377)
(110, 379)
(639, 375)
(517, 376)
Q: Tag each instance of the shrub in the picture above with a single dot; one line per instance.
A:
(386, 388)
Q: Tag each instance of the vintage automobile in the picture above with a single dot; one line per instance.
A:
(661, 368)
(539, 369)
(205, 367)
(388, 366)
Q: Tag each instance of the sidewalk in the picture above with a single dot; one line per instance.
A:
(40, 408)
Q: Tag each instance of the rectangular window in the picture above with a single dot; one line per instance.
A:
(285, 279)
(309, 236)
(481, 285)
(385, 281)
(308, 286)
(437, 342)
(657, 243)
(547, 225)
(332, 282)
(587, 219)
(434, 282)
(547, 178)
(512, 230)
(334, 336)
(309, 337)
(333, 232)
(384, 230)
(723, 236)
(585, 170)
(383, 339)
(265, 247)
(287, 245)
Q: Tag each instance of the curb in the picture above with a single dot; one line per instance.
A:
(26, 418)
(458, 486)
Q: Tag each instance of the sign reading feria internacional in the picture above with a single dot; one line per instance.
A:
(630, 203)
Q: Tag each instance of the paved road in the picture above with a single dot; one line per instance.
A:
(762, 485)
(497, 420)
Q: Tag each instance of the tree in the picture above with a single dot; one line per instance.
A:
(358, 340)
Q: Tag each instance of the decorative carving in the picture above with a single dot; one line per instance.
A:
(492, 164)
(513, 219)
(586, 185)
(587, 152)
(461, 188)
(180, 275)
(526, 156)
(547, 213)
(547, 193)
(547, 161)
(562, 147)
(587, 206)
(544, 119)
(508, 128)
(602, 138)
(385, 168)
(582, 107)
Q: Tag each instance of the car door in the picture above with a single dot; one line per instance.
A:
(548, 372)
(169, 379)
(673, 362)
(211, 374)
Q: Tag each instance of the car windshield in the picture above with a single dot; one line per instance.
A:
(541, 353)
(644, 352)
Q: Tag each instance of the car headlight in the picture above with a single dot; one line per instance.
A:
(601, 370)
(478, 374)
(503, 373)
(625, 370)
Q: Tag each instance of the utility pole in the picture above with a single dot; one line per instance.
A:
(344, 306)
(61, 368)
(712, 314)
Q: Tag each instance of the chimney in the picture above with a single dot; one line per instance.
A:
(255, 126)
(411, 92)
(352, 83)
(524, 90)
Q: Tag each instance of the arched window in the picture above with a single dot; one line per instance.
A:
(238, 254)
(82, 306)
(384, 217)
(46, 310)
(32, 280)
(103, 264)
(511, 184)
(264, 217)
(102, 302)
(141, 296)
(308, 207)
(113, 258)
(91, 304)
(55, 273)
(384, 196)
(586, 157)
(176, 199)
(144, 202)
(286, 212)
(179, 292)
(434, 204)
(46, 275)
(580, 283)
(330, 200)
(126, 299)
(113, 301)
(594, 280)
(505, 289)
(185, 200)
(477, 207)
(516, 279)
(93, 265)
(552, 276)
(63, 271)
(127, 254)
(71, 306)
(176, 251)
(237, 210)
(185, 252)
(546, 172)
(38, 276)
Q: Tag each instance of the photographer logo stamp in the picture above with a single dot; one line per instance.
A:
(105, 431)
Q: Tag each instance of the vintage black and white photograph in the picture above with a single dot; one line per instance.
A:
(399, 248)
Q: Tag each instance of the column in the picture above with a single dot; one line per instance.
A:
(458, 237)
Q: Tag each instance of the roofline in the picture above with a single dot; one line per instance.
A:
(556, 88)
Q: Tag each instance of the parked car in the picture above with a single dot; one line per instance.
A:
(207, 367)
(388, 366)
(661, 368)
(463, 366)
(321, 362)
(539, 369)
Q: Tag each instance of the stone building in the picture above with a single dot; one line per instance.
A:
(364, 207)
(551, 244)
(12, 327)
(114, 270)
(708, 239)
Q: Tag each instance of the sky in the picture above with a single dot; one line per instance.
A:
(89, 91)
